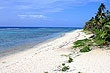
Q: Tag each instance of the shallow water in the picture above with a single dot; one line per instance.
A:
(19, 36)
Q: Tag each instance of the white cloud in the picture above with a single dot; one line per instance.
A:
(32, 16)
(41, 6)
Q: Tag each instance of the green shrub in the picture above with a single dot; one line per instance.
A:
(70, 60)
(96, 31)
(45, 72)
(65, 68)
(63, 64)
(99, 42)
(85, 49)
(82, 43)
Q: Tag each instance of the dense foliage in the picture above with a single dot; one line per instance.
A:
(100, 26)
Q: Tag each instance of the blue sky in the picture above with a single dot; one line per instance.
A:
(48, 13)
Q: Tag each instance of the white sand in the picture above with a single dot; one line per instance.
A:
(47, 57)
(95, 61)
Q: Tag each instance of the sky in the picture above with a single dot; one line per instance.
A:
(48, 13)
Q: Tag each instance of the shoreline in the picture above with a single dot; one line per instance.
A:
(45, 59)
(7, 52)
(11, 51)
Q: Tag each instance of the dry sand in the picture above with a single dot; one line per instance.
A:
(46, 58)
(95, 61)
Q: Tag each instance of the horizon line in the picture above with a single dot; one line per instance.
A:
(34, 27)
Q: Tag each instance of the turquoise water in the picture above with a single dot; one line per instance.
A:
(14, 37)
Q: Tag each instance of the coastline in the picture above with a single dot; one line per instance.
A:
(41, 58)
(18, 49)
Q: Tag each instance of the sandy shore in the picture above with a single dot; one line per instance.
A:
(95, 61)
(47, 57)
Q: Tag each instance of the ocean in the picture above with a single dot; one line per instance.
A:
(25, 37)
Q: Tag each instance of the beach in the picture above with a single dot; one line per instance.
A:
(47, 56)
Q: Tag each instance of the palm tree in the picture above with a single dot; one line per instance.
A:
(101, 10)
(100, 14)
(102, 6)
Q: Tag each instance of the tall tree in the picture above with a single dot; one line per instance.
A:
(101, 14)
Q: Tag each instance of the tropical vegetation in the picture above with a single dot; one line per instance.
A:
(100, 26)
(85, 49)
